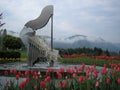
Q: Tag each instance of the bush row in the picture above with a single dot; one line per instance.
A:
(10, 54)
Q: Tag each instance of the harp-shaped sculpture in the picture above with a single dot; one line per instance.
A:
(37, 49)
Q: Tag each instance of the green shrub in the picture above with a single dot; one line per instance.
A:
(9, 54)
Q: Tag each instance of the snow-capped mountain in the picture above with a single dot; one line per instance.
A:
(77, 41)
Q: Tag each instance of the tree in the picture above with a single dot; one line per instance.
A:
(1, 24)
(3, 33)
(11, 42)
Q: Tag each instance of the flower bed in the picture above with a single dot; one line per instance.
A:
(72, 80)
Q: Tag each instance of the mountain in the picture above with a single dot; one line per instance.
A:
(77, 41)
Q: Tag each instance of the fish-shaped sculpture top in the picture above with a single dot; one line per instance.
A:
(38, 23)
(42, 20)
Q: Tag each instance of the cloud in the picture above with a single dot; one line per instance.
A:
(88, 17)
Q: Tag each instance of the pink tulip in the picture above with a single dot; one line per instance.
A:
(97, 83)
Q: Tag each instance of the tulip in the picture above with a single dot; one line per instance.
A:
(68, 70)
(61, 69)
(118, 80)
(19, 73)
(27, 73)
(35, 87)
(81, 79)
(15, 71)
(47, 79)
(5, 72)
(17, 77)
(27, 80)
(11, 71)
(74, 75)
(104, 71)
(75, 67)
(97, 83)
(108, 81)
(43, 84)
(7, 82)
(59, 75)
(95, 75)
(22, 85)
(64, 84)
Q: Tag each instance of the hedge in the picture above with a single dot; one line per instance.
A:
(9, 54)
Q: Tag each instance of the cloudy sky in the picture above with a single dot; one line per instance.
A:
(96, 18)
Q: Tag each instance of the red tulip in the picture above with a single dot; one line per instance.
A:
(104, 71)
(7, 82)
(75, 67)
(35, 76)
(81, 79)
(95, 75)
(81, 68)
(47, 79)
(22, 85)
(61, 69)
(17, 77)
(27, 80)
(42, 84)
(5, 72)
(22, 75)
(59, 75)
(64, 84)
(35, 73)
(27, 73)
(118, 80)
(19, 73)
(74, 75)
(108, 81)
(47, 72)
(15, 71)
(71, 70)
(68, 70)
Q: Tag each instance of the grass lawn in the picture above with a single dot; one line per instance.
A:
(87, 61)
(23, 55)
